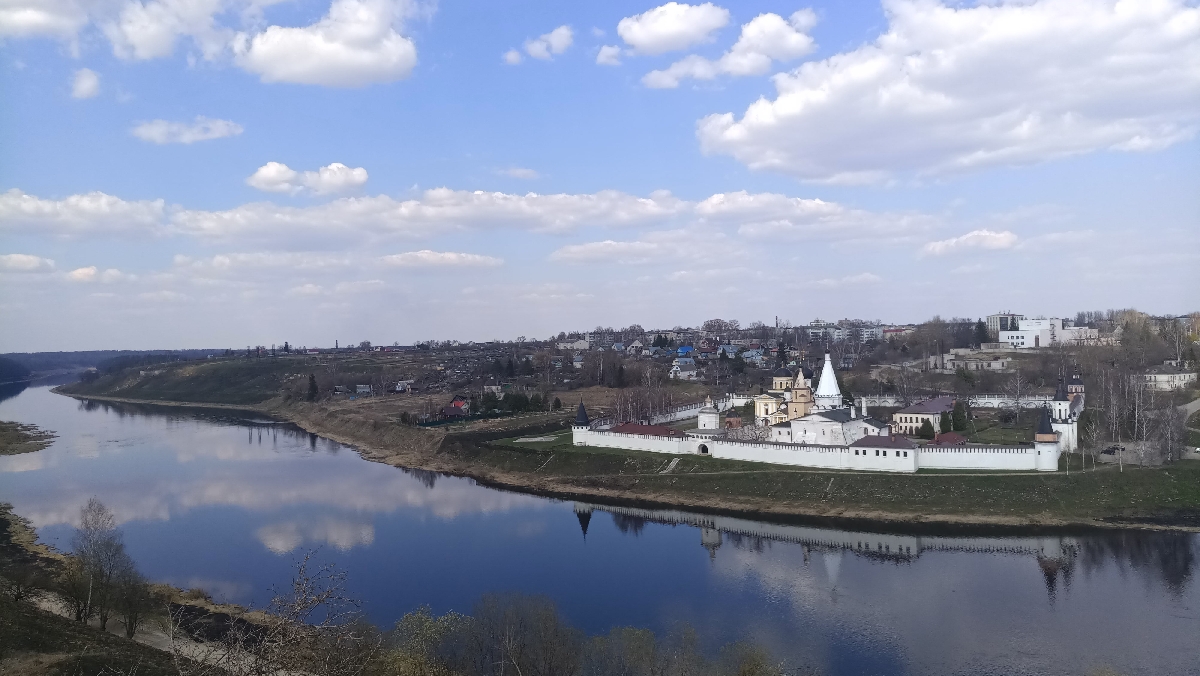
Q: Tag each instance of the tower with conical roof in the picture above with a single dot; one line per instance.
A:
(582, 427)
(829, 395)
(1046, 443)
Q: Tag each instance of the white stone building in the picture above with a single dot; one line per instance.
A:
(1046, 332)
(1166, 377)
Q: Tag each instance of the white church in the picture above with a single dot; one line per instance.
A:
(820, 431)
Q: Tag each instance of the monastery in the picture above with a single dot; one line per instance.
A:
(817, 429)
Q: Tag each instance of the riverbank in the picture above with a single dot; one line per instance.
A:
(17, 438)
(485, 451)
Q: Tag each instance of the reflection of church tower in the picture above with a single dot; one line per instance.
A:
(710, 539)
(829, 395)
(584, 514)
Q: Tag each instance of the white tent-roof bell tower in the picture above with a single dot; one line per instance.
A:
(829, 395)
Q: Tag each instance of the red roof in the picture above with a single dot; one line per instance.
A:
(652, 430)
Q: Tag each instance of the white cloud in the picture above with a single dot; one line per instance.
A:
(53, 18)
(149, 29)
(433, 259)
(274, 177)
(201, 129)
(976, 239)
(25, 263)
(950, 88)
(671, 27)
(335, 177)
(85, 84)
(331, 178)
(90, 212)
(771, 215)
(354, 45)
(754, 215)
(520, 172)
(765, 38)
(609, 55)
(512, 57)
(94, 274)
(263, 260)
(546, 46)
(608, 251)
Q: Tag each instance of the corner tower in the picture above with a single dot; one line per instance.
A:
(581, 429)
(1046, 443)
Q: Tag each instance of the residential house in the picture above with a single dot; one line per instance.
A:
(1166, 377)
(909, 420)
(684, 372)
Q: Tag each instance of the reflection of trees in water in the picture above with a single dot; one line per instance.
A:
(10, 390)
(629, 524)
(427, 477)
(1166, 557)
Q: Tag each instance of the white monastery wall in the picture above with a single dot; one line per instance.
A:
(1016, 458)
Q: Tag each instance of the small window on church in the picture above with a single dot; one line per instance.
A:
(876, 453)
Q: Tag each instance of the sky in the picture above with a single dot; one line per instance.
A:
(223, 173)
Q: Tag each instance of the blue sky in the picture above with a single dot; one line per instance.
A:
(502, 169)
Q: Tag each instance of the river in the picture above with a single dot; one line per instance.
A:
(228, 505)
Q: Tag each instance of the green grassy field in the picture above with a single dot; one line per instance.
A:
(1170, 495)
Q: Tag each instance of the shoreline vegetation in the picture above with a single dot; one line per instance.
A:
(518, 454)
(17, 438)
(311, 627)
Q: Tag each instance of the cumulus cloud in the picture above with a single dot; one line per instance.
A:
(609, 55)
(546, 46)
(200, 129)
(512, 57)
(336, 177)
(25, 263)
(262, 260)
(771, 215)
(951, 88)
(356, 44)
(765, 38)
(52, 18)
(149, 29)
(94, 274)
(77, 214)
(85, 84)
(976, 239)
(440, 259)
(671, 27)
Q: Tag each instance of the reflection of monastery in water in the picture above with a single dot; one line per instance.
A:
(898, 548)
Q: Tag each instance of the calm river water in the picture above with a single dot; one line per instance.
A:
(228, 505)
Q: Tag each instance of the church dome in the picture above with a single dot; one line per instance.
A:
(783, 372)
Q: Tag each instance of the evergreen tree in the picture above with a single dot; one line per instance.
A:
(944, 423)
(926, 431)
(981, 333)
(313, 391)
(510, 368)
(959, 418)
(557, 406)
(621, 376)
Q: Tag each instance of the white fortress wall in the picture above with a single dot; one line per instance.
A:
(1017, 458)
(822, 457)
(631, 442)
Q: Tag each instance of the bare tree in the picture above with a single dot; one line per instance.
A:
(98, 547)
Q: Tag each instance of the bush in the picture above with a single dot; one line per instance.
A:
(926, 431)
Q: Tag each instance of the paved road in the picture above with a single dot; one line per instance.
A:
(1191, 407)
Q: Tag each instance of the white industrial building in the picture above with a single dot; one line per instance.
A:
(1047, 332)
